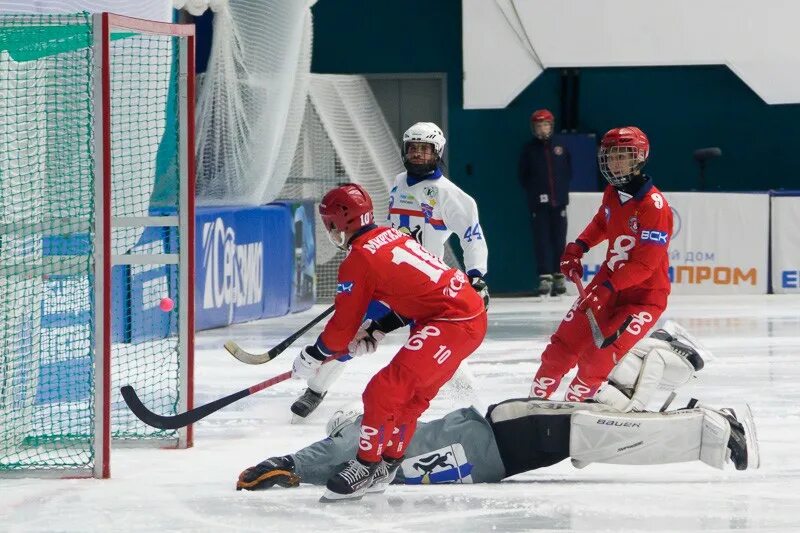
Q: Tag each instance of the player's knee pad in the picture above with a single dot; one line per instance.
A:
(390, 389)
(326, 376)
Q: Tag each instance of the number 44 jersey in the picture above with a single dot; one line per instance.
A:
(387, 265)
(432, 209)
(638, 229)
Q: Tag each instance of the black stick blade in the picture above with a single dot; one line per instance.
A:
(608, 341)
(143, 413)
(180, 420)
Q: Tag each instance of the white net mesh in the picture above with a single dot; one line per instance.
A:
(344, 138)
(269, 129)
(250, 104)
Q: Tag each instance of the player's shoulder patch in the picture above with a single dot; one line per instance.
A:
(345, 287)
(656, 199)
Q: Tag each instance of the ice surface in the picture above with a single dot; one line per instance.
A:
(756, 342)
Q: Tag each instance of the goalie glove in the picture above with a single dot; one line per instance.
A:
(367, 338)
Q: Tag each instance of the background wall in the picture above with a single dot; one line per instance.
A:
(680, 108)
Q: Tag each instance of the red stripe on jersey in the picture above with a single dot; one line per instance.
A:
(414, 213)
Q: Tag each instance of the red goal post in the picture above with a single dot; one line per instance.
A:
(105, 24)
(96, 230)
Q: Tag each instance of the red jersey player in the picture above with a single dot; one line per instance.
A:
(449, 324)
(636, 220)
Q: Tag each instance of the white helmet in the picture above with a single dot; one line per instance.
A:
(425, 132)
(343, 417)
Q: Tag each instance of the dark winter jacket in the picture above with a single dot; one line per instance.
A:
(545, 170)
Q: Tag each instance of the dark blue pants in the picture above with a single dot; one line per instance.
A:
(549, 225)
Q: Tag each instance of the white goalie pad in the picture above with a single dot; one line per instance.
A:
(649, 367)
(680, 333)
(649, 438)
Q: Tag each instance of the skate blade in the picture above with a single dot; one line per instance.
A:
(379, 488)
(680, 333)
(753, 453)
(297, 419)
(333, 497)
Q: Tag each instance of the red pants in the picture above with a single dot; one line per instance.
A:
(572, 342)
(397, 395)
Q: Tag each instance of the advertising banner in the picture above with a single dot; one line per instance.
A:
(304, 265)
(718, 243)
(243, 266)
(785, 244)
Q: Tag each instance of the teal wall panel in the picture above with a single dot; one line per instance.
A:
(680, 108)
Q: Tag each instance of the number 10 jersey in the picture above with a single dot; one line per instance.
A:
(387, 265)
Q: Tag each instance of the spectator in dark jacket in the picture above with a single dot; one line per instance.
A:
(545, 171)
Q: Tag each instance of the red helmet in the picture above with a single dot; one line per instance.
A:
(346, 208)
(619, 141)
(542, 115)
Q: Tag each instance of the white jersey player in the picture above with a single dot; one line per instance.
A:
(428, 206)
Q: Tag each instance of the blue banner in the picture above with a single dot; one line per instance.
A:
(305, 254)
(243, 268)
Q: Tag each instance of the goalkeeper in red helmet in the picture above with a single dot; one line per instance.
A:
(449, 323)
(636, 220)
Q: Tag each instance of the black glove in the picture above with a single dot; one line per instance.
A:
(273, 471)
(479, 284)
(388, 323)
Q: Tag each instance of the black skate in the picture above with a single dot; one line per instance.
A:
(559, 285)
(743, 442)
(683, 349)
(545, 285)
(351, 483)
(663, 335)
(384, 474)
(305, 404)
(268, 473)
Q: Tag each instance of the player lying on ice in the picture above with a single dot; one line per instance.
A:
(519, 435)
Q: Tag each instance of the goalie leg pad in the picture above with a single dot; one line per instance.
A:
(714, 444)
(653, 366)
(641, 438)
